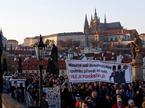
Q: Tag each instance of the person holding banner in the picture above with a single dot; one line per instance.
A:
(115, 75)
(125, 67)
(119, 74)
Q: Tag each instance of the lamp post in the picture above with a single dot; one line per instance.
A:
(40, 53)
(1, 72)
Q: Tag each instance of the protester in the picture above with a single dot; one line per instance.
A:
(89, 94)
(131, 104)
(95, 100)
(85, 104)
(44, 101)
(118, 104)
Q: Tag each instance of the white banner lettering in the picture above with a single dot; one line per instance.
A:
(92, 70)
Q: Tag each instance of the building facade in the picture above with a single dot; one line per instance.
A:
(12, 44)
(107, 32)
(57, 38)
(70, 36)
(30, 41)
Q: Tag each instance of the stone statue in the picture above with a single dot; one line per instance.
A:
(136, 46)
(137, 61)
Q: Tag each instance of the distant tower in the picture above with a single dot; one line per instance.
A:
(91, 21)
(86, 25)
(86, 31)
(105, 21)
(96, 22)
(95, 16)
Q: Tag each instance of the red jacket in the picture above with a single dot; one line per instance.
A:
(118, 106)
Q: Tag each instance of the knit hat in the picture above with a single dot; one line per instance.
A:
(88, 98)
(130, 102)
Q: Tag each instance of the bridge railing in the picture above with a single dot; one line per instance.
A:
(9, 102)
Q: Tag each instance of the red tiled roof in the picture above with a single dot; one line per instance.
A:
(117, 32)
(33, 64)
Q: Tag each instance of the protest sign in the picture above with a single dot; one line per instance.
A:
(53, 96)
(93, 70)
(7, 78)
(18, 82)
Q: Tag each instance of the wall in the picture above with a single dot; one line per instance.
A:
(8, 102)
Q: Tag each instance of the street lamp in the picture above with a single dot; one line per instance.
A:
(1, 72)
(40, 54)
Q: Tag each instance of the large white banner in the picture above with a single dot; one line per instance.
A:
(53, 96)
(93, 70)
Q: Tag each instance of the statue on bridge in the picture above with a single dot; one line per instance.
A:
(136, 46)
(137, 60)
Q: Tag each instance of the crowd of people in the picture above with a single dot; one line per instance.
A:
(79, 95)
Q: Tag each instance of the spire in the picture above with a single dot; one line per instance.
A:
(86, 20)
(105, 21)
(95, 15)
(86, 25)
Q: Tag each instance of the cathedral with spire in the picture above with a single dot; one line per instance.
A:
(96, 26)
(108, 33)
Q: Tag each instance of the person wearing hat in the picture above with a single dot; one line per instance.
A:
(131, 104)
(118, 104)
(89, 100)
(95, 100)
(85, 104)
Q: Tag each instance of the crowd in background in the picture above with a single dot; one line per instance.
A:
(79, 95)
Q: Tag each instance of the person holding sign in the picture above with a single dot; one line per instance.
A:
(114, 74)
(125, 67)
(119, 74)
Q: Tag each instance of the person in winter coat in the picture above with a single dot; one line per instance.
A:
(131, 104)
(118, 104)
(85, 104)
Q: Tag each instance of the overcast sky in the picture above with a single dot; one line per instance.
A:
(28, 18)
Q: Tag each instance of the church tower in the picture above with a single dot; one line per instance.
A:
(95, 23)
(95, 16)
(105, 20)
(86, 26)
(91, 21)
